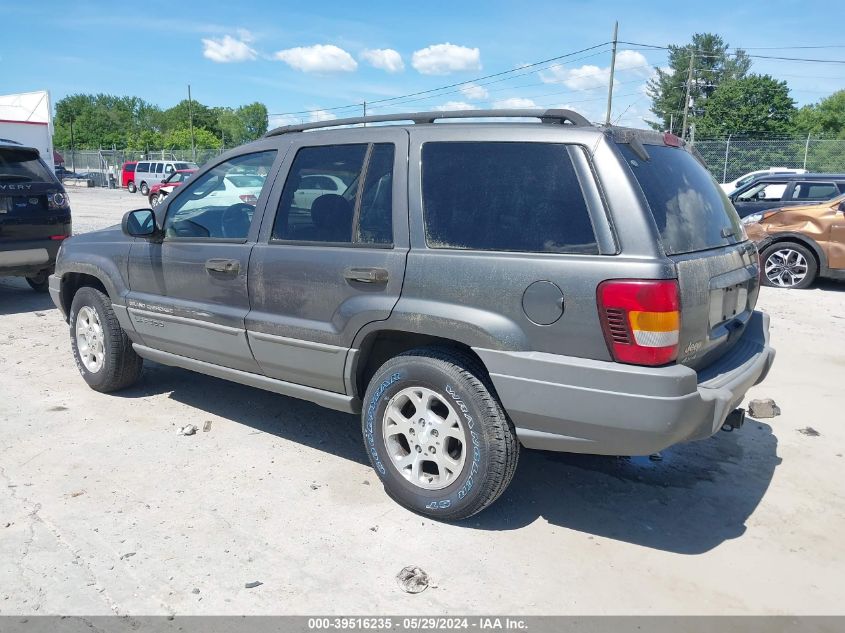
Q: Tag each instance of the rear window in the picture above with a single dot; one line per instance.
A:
(691, 211)
(129, 168)
(246, 181)
(497, 196)
(181, 166)
(21, 165)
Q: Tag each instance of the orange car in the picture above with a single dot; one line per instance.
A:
(798, 244)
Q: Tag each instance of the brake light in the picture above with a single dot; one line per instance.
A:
(58, 238)
(248, 198)
(671, 140)
(641, 319)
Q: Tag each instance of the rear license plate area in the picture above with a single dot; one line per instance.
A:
(726, 303)
(22, 204)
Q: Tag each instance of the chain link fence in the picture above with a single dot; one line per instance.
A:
(98, 165)
(728, 158)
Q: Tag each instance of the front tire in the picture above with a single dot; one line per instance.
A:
(154, 200)
(101, 349)
(437, 435)
(788, 265)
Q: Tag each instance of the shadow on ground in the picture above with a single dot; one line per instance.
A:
(698, 496)
(16, 297)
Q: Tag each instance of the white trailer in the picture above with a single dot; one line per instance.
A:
(26, 118)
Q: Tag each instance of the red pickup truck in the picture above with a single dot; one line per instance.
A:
(160, 190)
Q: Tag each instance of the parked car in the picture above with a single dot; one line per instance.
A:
(478, 286)
(770, 192)
(151, 172)
(127, 176)
(315, 185)
(743, 180)
(801, 243)
(160, 191)
(34, 215)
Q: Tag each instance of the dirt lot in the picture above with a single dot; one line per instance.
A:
(108, 510)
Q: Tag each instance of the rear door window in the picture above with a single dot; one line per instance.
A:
(814, 190)
(691, 211)
(499, 196)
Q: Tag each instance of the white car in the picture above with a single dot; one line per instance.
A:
(743, 180)
(313, 186)
(236, 188)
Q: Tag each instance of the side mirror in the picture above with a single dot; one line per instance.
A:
(140, 223)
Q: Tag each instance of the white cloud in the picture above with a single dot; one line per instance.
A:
(442, 59)
(321, 115)
(589, 77)
(514, 102)
(474, 91)
(320, 58)
(455, 105)
(384, 58)
(278, 120)
(229, 49)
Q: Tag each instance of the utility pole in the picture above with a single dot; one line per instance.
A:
(686, 101)
(73, 150)
(191, 124)
(612, 71)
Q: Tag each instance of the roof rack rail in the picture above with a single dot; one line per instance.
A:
(546, 116)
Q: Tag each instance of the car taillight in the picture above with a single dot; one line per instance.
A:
(641, 319)
(57, 201)
(248, 198)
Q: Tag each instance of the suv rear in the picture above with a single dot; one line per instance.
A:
(34, 215)
(472, 287)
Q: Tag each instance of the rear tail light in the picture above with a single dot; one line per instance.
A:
(58, 238)
(248, 198)
(641, 319)
(57, 201)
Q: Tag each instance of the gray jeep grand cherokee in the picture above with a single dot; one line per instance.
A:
(465, 287)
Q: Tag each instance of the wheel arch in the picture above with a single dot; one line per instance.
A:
(380, 345)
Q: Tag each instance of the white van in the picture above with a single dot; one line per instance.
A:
(150, 172)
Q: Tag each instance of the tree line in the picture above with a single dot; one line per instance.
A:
(95, 121)
(727, 99)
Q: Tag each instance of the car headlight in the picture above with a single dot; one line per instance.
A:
(751, 219)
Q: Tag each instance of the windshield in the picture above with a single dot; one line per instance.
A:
(691, 211)
(22, 165)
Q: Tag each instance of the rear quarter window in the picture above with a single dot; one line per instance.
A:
(691, 211)
(499, 196)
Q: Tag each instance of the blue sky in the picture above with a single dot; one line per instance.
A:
(300, 56)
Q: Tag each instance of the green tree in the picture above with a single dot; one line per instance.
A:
(254, 118)
(180, 138)
(712, 65)
(825, 118)
(756, 105)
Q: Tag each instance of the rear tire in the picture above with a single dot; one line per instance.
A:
(145, 190)
(436, 434)
(788, 265)
(101, 349)
(40, 282)
(131, 187)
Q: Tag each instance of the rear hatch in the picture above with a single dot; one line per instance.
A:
(33, 204)
(717, 266)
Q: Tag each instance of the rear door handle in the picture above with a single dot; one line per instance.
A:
(366, 275)
(223, 265)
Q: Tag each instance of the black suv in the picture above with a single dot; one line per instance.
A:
(786, 190)
(34, 215)
(465, 288)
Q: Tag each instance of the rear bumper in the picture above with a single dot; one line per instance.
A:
(579, 405)
(24, 258)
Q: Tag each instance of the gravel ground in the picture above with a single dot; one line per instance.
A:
(105, 509)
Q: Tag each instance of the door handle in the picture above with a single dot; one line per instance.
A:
(366, 275)
(222, 265)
